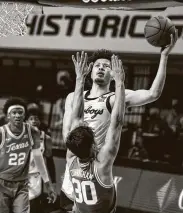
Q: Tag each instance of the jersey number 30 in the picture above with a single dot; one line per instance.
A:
(16, 159)
(81, 192)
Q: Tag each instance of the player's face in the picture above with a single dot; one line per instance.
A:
(16, 116)
(34, 120)
(101, 72)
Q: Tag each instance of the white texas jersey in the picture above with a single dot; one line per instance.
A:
(97, 113)
(32, 166)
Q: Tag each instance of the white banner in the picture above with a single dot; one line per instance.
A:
(86, 29)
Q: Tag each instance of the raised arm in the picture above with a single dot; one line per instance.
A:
(78, 103)
(142, 96)
(67, 115)
(108, 152)
(81, 70)
(77, 113)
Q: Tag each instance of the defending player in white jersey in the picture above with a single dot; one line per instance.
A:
(96, 114)
(91, 171)
(35, 181)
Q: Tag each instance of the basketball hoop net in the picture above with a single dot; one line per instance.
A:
(13, 18)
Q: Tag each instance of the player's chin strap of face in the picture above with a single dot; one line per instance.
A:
(39, 161)
(15, 107)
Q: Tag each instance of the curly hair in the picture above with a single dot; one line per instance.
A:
(80, 141)
(107, 54)
(14, 101)
(102, 53)
(33, 112)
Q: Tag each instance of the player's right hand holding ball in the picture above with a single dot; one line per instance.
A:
(160, 31)
(166, 50)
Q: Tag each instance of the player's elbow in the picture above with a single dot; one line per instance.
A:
(112, 153)
(154, 95)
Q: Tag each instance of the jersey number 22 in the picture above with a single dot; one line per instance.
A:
(16, 159)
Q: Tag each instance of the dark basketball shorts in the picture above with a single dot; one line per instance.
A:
(14, 197)
(65, 203)
(36, 205)
(75, 211)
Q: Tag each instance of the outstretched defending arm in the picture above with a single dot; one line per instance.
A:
(109, 150)
(77, 114)
(80, 69)
(67, 115)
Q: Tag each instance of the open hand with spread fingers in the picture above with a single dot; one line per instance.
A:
(117, 69)
(80, 63)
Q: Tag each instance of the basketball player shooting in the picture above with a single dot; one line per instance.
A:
(91, 170)
(17, 139)
(99, 101)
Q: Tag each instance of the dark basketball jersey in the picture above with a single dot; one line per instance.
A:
(15, 154)
(91, 195)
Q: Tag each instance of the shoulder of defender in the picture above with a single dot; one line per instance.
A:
(70, 94)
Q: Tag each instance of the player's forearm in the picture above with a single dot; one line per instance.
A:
(109, 151)
(159, 81)
(39, 161)
(66, 125)
(117, 116)
(51, 169)
(67, 116)
(78, 101)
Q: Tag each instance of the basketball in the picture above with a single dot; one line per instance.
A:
(157, 31)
